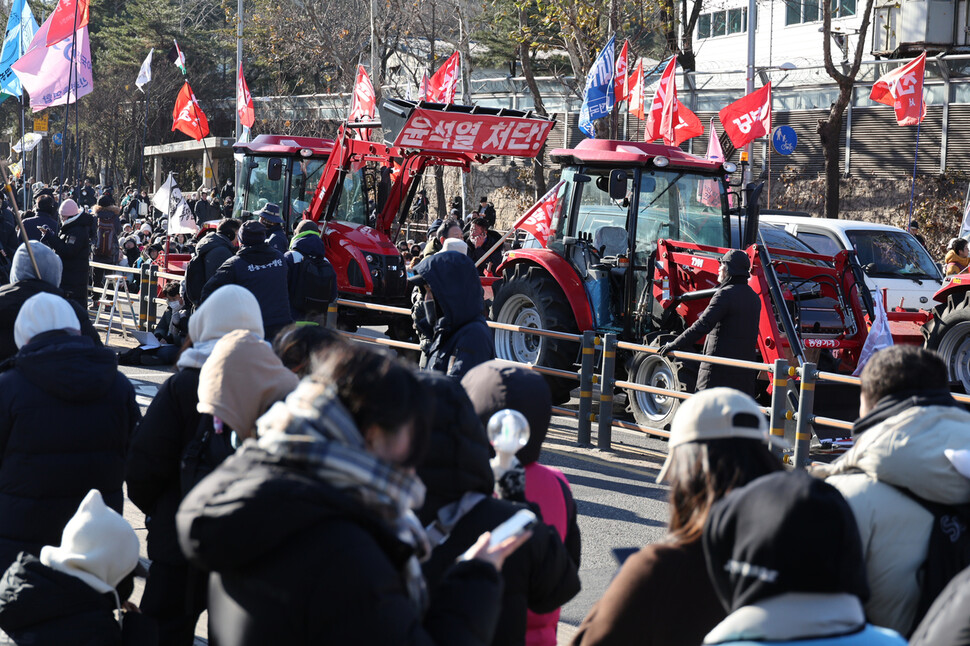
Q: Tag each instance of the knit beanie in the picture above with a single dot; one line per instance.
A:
(69, 209)
(98, 546)
(44, 313)
(229, 308)
(455, 244)
(241, 379)
(252, 233)
(48, 263)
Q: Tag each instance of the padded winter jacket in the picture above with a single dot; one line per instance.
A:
(73, 246)
(66, 420)
(276, 238)
(321, 569)
(306, 244)
(731, 325)
(262, 270)
(460, 339)
(904, 447)
(540, 575)
(948, 621)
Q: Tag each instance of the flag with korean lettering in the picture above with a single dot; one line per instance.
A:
(244, 101)
(903, 90)
(635, 102)
(69, 16)
(622, 80)
(664, 100)
(538, 219)
(444, 82)
(598, 97)
(748, 118)
(187, 116)
(363, 103)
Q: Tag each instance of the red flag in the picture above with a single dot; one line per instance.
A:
(441, 87)
(244, 101)
(363, 104)
(538, 219)
(621, 82)
(687, 125)
(63, 21)
(903, 89)
(748, 118)
(665, 96)
(188, 116)
(635, 104)
(423, 89)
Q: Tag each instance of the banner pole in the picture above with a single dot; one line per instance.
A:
(912, 190)
(144, 135)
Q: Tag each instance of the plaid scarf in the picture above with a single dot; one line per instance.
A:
(313, 430)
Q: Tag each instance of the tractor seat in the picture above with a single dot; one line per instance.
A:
(610, 241)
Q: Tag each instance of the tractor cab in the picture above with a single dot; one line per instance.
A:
(280, 169)
(618, 200)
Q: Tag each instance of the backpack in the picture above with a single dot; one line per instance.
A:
(195, 278)
(315, 285)
(206, 451)
(105, 240)
(948, 550)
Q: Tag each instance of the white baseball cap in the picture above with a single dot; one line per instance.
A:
(717, 414)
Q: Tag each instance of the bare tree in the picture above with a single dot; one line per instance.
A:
(829, 130)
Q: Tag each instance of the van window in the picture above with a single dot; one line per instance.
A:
(822, 244)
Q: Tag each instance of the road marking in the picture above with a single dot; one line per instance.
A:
(641, 472)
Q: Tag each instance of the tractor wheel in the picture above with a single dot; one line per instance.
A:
(948, 333)
(531, 298)
(651, 410)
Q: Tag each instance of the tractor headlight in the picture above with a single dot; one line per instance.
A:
(729, 167)
(661, 162)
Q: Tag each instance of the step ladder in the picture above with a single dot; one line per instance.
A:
(116, 285)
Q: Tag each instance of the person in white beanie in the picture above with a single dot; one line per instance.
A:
(73, 245)
(175, 594)
(70, 594)
(66, 418)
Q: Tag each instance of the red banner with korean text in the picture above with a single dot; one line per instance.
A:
(635, 104)
(664, 96)
(903, 90)
(621, 82)
(444, 82)
(538, 219)
(187, 116)
(748, 118)
(481, 134)
(244, 101)
(363, 103)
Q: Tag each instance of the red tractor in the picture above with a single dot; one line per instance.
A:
(638, 233)
(363, 190)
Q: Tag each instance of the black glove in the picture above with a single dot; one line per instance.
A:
(665, 349)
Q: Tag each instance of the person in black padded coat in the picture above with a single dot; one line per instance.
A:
(540, 576)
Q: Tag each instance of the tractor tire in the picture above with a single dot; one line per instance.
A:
(948, 333)
(651, 410)
(531, 298)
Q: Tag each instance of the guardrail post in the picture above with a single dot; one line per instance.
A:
(584, 429)
(779, 403)
(604, 437)
(142, 304)
(803, 419)
(152, 311)
(331, 321)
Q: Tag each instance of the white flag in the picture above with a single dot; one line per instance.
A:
(28, 143)
(880, 336)
(167, 196)
(183, 221)
(145, 74)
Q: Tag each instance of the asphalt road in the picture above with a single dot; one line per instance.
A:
(619, 505)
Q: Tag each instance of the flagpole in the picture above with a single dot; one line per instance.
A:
(912, 190)
(71, 74)
(144, 136)
(23, 118)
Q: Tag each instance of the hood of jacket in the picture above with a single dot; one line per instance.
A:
(457, 459)
(113, 210)
(228, 308)
(251, 489)
(48, 263)
(211, 241)
(68, 367)
(32, 593)
(907, 450)
(456, 286)
(309, 243)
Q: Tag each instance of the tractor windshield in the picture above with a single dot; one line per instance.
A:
(259, 188)
(303, 181)
(680, 205)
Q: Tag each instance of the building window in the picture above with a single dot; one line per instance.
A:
(799, 11)
(723, 23)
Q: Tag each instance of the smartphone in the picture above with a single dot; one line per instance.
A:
(521, 522)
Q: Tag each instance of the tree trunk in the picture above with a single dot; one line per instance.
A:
(439, 192)
(525, 55)
(829, 131)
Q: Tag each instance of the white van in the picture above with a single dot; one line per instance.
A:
(891, 258)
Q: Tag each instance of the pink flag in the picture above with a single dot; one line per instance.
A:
(44, 70)
(708, 193)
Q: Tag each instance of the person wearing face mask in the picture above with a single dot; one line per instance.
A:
(731, 325)
(73, 246)
(452, 314)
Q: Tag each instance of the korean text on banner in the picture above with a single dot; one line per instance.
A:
(481, 134)
(903, 90)
(598, 97)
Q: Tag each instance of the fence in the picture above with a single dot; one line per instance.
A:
(791, 402)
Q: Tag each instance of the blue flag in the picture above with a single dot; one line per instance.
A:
(598, 97)
(21, 28)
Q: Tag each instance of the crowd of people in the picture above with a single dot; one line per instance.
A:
(304, 489)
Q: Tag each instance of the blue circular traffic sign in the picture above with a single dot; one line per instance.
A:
(58, 138)
(784, 140)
